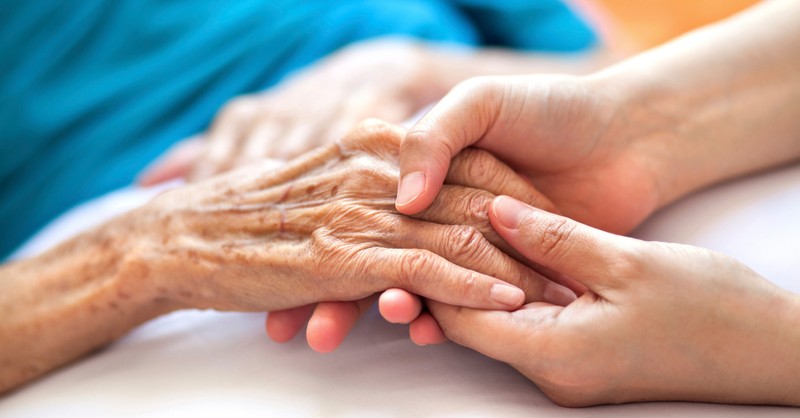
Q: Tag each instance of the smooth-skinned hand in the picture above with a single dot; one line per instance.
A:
(658, 321)
(569, 136)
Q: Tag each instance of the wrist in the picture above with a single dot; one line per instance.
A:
(148, 262)
(658, 125)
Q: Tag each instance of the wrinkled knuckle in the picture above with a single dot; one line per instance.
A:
(478, 204)
(466, 243)
(555, 237)
(415, 267)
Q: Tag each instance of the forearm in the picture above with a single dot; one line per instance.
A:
(74, 299)
(717, 103)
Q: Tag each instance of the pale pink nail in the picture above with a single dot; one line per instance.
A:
(507, 295)
(411, 186)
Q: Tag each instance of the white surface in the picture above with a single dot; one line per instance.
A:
(212, 364)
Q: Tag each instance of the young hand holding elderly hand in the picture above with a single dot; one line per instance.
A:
(657, 321)
(653, 321)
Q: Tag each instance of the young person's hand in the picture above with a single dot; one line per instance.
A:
(657, 321)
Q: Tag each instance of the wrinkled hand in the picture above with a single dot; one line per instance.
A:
(324, 227)
(485, 177)
(385, 79)
(658, 321)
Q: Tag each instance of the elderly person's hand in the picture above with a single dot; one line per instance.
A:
(485, 177)
(322, 228)
(657, 321)
(390, 79)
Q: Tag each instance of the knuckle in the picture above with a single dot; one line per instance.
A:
(416, 266)
(467, 242)
(477, 209)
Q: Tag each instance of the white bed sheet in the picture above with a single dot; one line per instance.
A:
(216, 364)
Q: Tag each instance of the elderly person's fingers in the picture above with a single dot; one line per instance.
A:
(226, 136)
(466, 247)
(430, 275)
(478, 169)
(260, 141)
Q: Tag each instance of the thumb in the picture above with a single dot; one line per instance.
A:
(459, 120)
(563, 245)
(498, 334)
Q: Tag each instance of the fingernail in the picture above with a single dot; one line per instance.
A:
(509, 211)
(507, 295)
(558, 295)
(411, 186)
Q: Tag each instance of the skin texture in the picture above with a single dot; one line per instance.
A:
(645, 329)
(322, 228)
(473, 169)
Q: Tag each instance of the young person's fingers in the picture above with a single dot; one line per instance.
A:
(460, 119)
(561, 244)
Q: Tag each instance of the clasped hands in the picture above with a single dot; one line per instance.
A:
(605, 318)
(649, 320)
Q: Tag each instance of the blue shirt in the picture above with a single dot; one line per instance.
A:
(93, 90)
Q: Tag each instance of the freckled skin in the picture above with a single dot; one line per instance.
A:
(322, 228)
